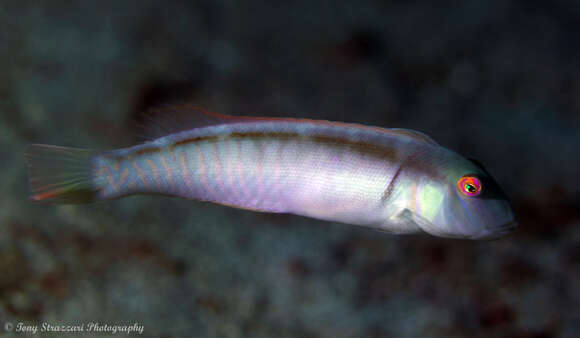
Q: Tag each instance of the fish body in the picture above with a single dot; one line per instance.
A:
(393, 180)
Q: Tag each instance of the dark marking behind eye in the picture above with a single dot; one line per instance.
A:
(491, 189)
(478, 164)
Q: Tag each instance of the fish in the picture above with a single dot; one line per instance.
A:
(390, 179)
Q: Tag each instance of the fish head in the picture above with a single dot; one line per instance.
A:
(464, 201)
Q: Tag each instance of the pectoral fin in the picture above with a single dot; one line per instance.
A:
(401, 223)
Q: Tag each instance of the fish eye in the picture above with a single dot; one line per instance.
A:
(469, 185)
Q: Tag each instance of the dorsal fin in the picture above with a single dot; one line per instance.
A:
(166, 120)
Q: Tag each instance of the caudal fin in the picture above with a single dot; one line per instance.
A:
(60, 174)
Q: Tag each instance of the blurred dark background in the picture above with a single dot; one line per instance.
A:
(494, 80)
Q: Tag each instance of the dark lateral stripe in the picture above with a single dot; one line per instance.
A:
(257, 134)
(388, 152)
(385, 152)
(147, 151)
(194, 140)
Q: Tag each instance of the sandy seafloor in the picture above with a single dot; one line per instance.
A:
(497, 81)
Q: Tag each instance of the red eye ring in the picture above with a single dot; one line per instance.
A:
(469, 186)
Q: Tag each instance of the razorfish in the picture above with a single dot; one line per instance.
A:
(395, 180)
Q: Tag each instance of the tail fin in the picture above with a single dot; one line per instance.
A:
(60, 175)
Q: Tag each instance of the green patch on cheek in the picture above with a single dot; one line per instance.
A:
(430, 200)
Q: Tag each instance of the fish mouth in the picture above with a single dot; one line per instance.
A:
(498, 232)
